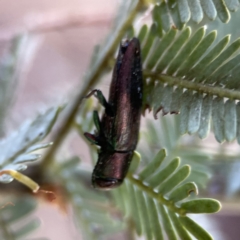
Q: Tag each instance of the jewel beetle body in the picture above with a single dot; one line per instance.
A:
(118, 129)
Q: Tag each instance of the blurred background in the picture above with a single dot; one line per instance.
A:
(62, 36)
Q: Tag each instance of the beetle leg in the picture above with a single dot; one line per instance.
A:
(99, 95)
(96, 120)
(91, 138)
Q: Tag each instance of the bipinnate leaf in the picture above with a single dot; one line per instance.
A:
(165, 132)
(11, 64)
(17, 212)
(154, 206)
(93, 211)
(195, 76)
(179, 12)
(16, 148)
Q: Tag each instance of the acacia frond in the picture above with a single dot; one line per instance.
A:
(193, 75)
(17, 211)
(157, 200)
(92, 209)
(10, 64)
(178, 12)
(17, 148)
(165, 133)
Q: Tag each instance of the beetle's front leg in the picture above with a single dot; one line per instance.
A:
(99, 95)
(91, 137)
(96, 120)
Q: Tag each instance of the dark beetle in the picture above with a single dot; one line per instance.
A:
(119, 127)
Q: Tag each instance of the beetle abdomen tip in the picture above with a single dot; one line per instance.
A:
(106, 183)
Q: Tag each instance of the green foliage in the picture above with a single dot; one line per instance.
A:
(10, 214)
(155, 199)
(186, 70)
(18, 147)
(158, 200)
(9, 72)
(165, 133)
(179, 12)
(181, 69)
(92, 210)
(153, 202)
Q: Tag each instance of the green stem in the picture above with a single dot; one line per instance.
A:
(90, 81)
(91, 147)
(198, 87)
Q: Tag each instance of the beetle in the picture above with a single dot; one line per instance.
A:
(118, 129)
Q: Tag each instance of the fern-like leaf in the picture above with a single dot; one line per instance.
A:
(159, 202)
(16, 149)
(92, 210)
(179, 12)
(165, 133)
(193, 75)
(10, 64)
(9, 215)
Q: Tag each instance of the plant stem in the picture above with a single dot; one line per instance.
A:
(90, 81)
(198, 87)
